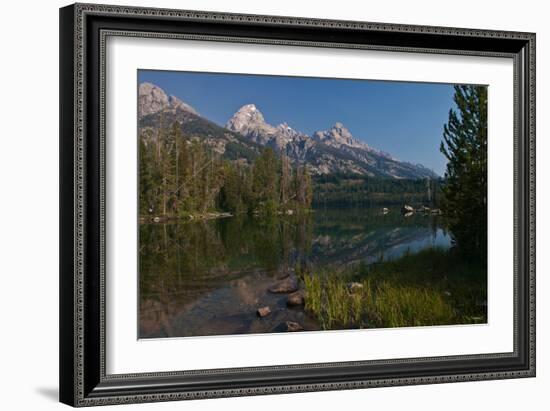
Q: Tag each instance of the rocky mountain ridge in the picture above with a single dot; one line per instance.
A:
(334, 150)
(152, 99)
(326, 151)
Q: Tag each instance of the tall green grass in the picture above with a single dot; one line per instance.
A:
(433, 287)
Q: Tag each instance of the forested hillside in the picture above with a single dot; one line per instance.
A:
(341, 190)
(182, 176)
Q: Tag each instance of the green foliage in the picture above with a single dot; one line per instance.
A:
(237, 151)
(374, 305)
(184, 176)
(465, 190)
(338, 190)
(265, 178)
(433, 287)
(303, 186)
(234, 192)
(148, 175)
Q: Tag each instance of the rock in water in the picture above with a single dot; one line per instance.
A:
(407, 209)
(292, 326)
(282, 276)
(296, 298)
(264, 311)
(288, 285)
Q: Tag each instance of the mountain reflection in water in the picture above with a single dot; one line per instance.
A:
(210, 277)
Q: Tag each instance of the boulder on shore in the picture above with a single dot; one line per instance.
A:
(296, 298)
(288, 285)
(285, 274)
(293, 326)
(264, 311)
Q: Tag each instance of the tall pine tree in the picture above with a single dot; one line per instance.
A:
(465, 190)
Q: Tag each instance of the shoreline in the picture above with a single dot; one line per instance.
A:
(213, 215)
(189, 217)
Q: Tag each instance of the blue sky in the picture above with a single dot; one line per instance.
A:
(402, 118)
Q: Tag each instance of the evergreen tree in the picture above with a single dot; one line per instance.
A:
(230, 193)
(286, 178)
(265, 180)
(465, 189)
(303, 187)
(146, 178)
(171, 167)
(181, 175)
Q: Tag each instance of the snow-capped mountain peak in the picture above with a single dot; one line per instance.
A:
(334, 150)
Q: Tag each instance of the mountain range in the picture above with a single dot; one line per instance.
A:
(247, 132)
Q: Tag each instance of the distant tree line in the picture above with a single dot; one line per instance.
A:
(341, 189)
(179, 175)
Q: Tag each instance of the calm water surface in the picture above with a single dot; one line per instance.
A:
(210, 277)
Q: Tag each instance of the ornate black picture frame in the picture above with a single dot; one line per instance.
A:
(83, 31)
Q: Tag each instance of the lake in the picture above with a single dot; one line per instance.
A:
(209, 277)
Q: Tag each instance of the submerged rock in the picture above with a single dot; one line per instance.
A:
(296, 298)
(292, 326)
(264, 311)
(288, 285)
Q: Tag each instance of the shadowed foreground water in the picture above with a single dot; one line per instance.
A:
(210, 277)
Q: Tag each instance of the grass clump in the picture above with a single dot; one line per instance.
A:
(432, 287)
(395, 306)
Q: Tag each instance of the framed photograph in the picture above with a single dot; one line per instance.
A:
(261, 204)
